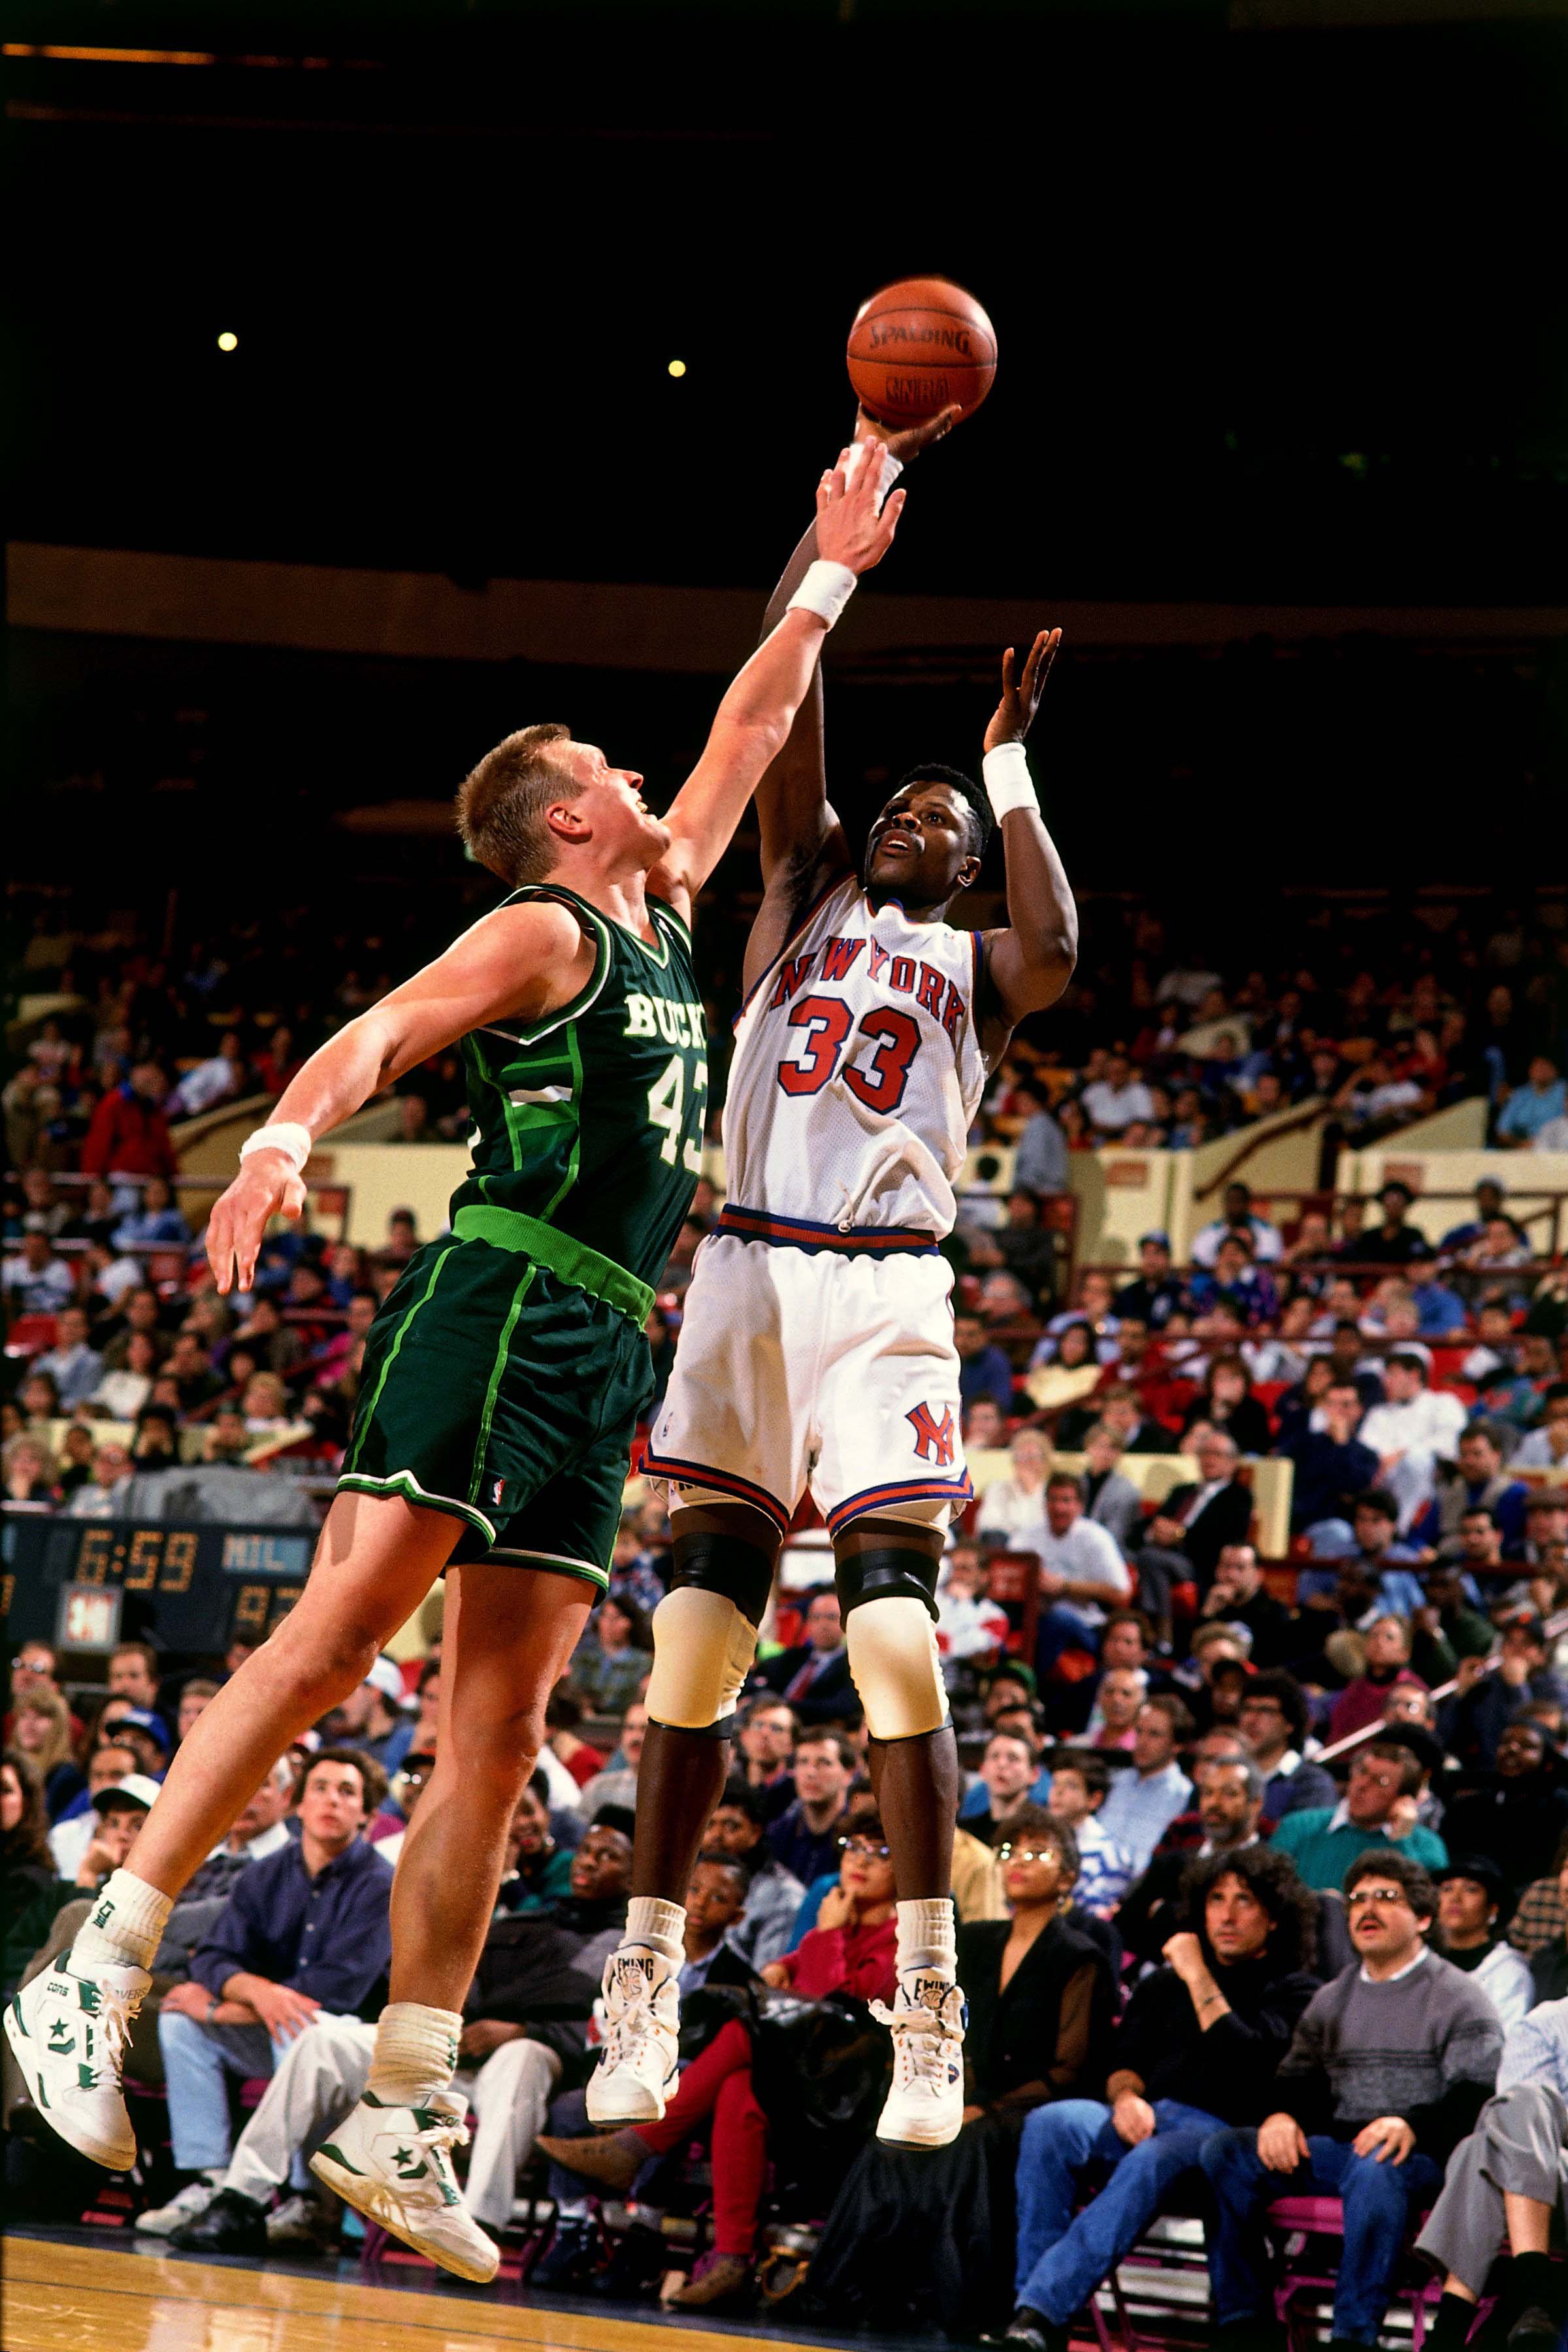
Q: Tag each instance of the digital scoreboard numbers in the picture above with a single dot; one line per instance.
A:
(86, 1584)
(139, 1559)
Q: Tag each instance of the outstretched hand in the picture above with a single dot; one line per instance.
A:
(1015, 714)
(850, 531)
(267, 1186)
(910, 440)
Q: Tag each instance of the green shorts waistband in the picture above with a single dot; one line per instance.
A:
(571, 1261)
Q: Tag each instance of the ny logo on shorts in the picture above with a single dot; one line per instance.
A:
(497, 1488)
(933, 1439)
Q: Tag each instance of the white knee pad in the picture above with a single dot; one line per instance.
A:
(703, 1649)
(897, 1667)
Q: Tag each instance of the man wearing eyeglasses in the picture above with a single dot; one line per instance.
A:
(1389, 2068)
(1377, 1809)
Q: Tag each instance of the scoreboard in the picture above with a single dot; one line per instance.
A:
(84, 1584)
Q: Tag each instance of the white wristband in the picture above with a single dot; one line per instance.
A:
(1008, 784)
(825, 590)
(288, 1137)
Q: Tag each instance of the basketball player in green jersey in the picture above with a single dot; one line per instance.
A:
(502, 1382)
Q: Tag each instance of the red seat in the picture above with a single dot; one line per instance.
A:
(30, 1334)
(1323, 2216)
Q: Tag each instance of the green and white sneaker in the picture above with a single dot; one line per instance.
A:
(395, 2166)
(68, 2032)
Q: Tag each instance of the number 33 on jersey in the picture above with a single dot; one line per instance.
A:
(858, 1070)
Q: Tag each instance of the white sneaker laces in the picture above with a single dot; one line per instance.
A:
(634, 2023)
(919, 2044)
(442, 2139)
(112, 2018)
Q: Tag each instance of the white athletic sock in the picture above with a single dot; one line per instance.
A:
(416, 2054)
(659, 1926)
(125, 1927)
(927, 1936)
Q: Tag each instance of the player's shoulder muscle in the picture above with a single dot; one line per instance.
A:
(524, 959)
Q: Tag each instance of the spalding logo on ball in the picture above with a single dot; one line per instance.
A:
(920, 346)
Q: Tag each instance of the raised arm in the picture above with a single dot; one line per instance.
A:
(752, 722)
(517, 961)
(1031, 962)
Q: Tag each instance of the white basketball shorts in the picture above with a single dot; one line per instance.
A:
(826, 1368)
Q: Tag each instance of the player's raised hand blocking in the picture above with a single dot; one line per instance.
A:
(267, 1186)
(850, 531)
(1015, 714)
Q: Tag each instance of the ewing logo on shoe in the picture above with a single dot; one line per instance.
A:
(934, 1438)
(627, 1965)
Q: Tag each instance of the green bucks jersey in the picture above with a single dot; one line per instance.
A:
(591, 1119)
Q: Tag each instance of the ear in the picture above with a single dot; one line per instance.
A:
(566, 821)
(968, 875)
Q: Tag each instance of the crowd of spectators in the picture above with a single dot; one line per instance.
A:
(1153, 1044)
(1166, 1855)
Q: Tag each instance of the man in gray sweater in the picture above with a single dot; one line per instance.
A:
(1390, 2065)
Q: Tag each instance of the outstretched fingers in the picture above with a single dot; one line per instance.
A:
(887, 522)
(1042, 654)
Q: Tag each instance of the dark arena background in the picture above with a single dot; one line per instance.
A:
(383, 379)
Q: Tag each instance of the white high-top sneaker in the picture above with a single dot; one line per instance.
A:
(925, 2107)
(639, 2018)
(68, 2034)
(395, 2166)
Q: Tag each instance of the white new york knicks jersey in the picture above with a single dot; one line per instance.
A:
(856, 1072)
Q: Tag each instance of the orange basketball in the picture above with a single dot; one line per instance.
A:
(917, 347)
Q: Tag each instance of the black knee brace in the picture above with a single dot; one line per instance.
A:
(724, 1729)
(725, 1564)
(892, 1573)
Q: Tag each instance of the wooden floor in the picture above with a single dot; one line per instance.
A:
(68, 2297)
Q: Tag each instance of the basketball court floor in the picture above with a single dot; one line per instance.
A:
(66, 2291)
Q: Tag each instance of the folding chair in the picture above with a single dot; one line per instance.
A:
(1304, 2219)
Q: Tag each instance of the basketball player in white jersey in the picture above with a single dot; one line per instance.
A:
(817, 1346)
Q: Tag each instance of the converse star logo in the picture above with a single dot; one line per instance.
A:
(61, 2038)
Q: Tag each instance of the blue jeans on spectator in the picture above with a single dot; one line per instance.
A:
(1377, 2199)
(1061, 1627)
(197, 2059)
(1062, 2259)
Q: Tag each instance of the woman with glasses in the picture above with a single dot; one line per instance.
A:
(922, 2236)
(851, 1949)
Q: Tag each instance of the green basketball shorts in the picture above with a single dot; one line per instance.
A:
(499, 1388)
